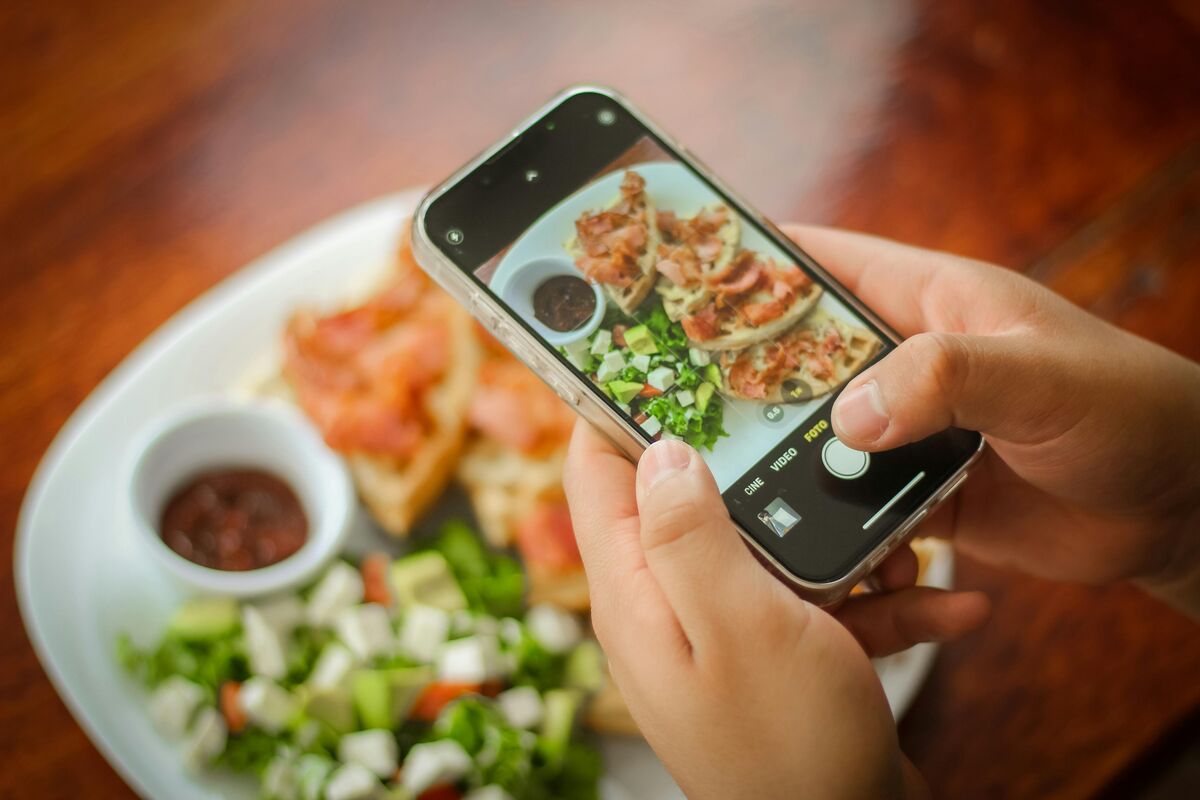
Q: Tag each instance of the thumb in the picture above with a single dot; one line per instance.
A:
(712, 582)
(998, 385)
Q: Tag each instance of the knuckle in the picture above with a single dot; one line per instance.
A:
(943, 358)
(671, 521)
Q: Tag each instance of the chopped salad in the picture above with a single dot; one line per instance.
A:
(652, 375)
(418, 678)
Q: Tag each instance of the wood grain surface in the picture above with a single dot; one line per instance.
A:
(151, 149)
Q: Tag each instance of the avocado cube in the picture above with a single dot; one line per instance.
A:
(640, 340)
(426, 579)
(407, 683)
(383, 697)
(704, 394)
(205, 619)
(333, 706)
(712, 374)
(558, 721)
(624, 391)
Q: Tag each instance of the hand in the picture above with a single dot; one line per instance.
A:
(1093, 472)
(742, 688)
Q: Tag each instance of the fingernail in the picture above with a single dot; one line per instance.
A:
(860, 414)
(662, 460)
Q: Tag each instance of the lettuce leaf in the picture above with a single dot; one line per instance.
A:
(493, 583)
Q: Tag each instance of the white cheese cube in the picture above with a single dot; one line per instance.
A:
(352, 782)
(701, 358)
(341, 587)
(521, 706)
(374, 749)
(278, 780)
(556, 630)
(652, 426)
(641, 363)
(661, 378)
(267, 704)
(474, 659)
(577, 353)
(611, 366)
(264, 645)
(311, 771)
(510, 631)
(489, 792)
(173, 704)
(423, 631)
(464, 623)
(366, 630)
(284, 613)
(685, 397)
(601, 343)
(434, 763)
(333, 667)
(206, 741)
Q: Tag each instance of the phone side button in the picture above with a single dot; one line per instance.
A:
(565, 391)
(952, 488)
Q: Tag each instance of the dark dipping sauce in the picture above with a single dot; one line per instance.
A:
(563, 303)
(234, 519)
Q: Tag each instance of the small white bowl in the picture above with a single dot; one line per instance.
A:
(518, 288)
(216, 433)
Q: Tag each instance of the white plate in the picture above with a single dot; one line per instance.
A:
(81, 575)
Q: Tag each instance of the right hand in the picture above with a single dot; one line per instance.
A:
(1093, 469)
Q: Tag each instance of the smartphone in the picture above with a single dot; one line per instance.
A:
(657, 303)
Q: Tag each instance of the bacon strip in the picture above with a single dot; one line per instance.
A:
(363, 374)
(615, 239)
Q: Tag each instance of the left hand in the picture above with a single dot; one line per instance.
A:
(742, 688)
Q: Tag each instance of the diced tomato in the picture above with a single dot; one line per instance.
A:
(446, 792)
(436, 696)
(231, 708)
(375, 581)
(649, 391)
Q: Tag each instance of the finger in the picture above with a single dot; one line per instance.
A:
(693, 549)
(1009, 386)
(914, 290)
(888, 623)
(599, 484)
(898, 570)
(626, 602)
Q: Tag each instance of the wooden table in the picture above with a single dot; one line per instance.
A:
(151, 149)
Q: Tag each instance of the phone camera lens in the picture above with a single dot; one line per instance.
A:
(606, 116)
(454, 236)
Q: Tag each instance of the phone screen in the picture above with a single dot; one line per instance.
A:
(687, 317)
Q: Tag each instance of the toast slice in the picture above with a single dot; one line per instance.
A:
(388, 382)
(692, 251)
(618, 247)
(812, 359)
(398, 491)
(754, 300)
